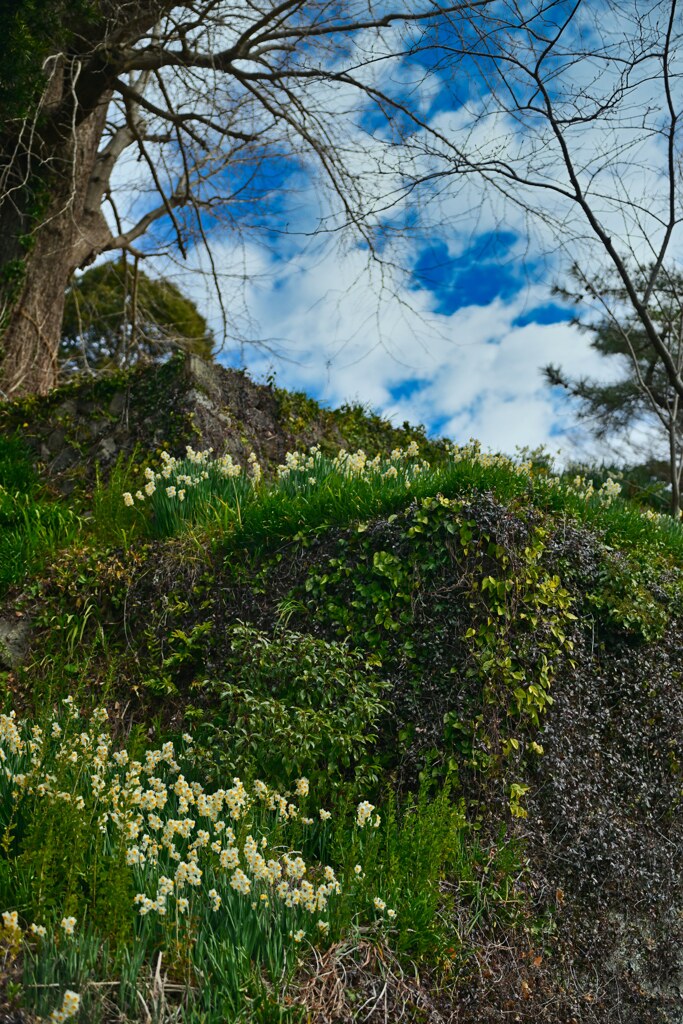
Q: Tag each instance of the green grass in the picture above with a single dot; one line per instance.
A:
(33, 524)
(239, 514)
(109, 523)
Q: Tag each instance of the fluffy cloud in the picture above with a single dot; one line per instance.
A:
(350, 332)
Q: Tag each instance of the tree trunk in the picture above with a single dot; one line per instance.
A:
(674, 461)
(68, 234)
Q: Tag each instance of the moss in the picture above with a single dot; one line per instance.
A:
(31, 32)
(297, 410)
(65, 420)
(350, 426)
(363, 428)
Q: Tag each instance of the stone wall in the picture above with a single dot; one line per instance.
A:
(82, 428)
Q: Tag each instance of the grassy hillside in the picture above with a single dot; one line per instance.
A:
(375, 735)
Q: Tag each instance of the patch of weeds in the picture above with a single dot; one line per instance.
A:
(111, 522)
(16, 466)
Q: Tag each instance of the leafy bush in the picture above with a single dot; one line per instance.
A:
(454, 598)
(295, 705)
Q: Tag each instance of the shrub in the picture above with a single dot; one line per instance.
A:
(295, 705)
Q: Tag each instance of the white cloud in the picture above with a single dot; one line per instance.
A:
(349, 336)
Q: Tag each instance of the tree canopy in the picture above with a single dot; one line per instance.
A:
(32, 31)
(570, 129)
(116, 315)
(210, 101)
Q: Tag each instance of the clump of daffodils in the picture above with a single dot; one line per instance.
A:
(192, 479)
(192, 852)
(199, 476)
(11, 937)
(11, 933)
(181, 486)
(472, 452)
(306, 468)
(584, 488)
(659, 517)
(364, 815)
(581, 486)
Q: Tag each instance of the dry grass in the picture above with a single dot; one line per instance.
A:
(364, 983)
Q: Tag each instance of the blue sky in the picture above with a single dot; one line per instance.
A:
(452, 326)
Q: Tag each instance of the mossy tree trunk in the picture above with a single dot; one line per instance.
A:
(50, 224)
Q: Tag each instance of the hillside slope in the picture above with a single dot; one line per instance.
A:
(485, 655)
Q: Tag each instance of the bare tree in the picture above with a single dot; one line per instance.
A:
(205, 93)
(571, 115)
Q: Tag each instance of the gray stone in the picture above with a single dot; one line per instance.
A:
(55, 440)
(197, 398)
(65, 460)
(98, 427)
(203, 375)
(66, 410)
(629, 958)
(15, 635)
(108, 449)
(117, 404)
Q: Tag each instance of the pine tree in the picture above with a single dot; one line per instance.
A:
(642, 391)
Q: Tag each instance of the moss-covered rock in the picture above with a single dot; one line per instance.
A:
(89, 423)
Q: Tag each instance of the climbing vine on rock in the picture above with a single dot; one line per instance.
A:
(442, 600)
